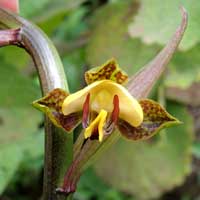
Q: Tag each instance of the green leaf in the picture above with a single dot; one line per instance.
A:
(31, 163)
(33, 152)
(40, 10)
(74, 63)
(155, 15)
(109, 38)
(196, 149)
(148, 169)
(15, 53)
(10, 156)
(12, 127)
(155, 119)
(16, 125)
(56, 7)
(72, 25)
(16, 89)
(18, 120)
(184, 69)
(29, 8)
(86, 189)
(17, 93)
(62, 18)
(44, 9)
(48, 14)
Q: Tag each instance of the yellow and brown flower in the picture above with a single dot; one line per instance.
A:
(103, 105)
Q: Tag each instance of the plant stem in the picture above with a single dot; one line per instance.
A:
(9, 37)
(58, 144)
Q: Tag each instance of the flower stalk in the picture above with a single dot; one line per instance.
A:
(9, 37)
(58, 145)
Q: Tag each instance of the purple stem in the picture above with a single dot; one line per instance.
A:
(9, 37)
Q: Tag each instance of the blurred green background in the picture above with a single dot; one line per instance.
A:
(87, 33)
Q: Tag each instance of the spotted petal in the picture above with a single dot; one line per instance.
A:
(108, 71)
(155, 118)
(51, 105)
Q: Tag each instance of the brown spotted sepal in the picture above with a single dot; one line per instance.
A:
(108, 71)
(155, 118)
(51, 105)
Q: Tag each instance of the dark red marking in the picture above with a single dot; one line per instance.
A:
(95, 134)
(86, 110)
(115, 112)
(70, 180)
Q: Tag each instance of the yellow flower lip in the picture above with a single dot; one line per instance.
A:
(99, 121)
(102, 93)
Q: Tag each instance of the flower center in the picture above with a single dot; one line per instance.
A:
(97, 123)
(104, 122)
(101, 100)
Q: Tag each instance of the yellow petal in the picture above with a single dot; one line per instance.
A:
(101, 97)
(99, 122)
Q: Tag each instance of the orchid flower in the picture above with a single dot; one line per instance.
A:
(105, 105)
